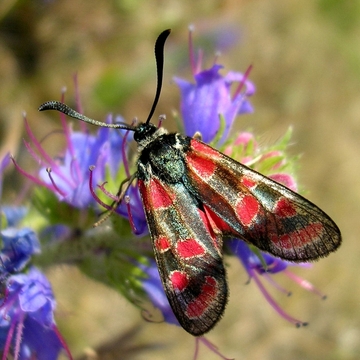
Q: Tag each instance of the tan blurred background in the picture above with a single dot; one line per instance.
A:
(306, 58)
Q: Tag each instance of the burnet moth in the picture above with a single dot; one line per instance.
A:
(195, 196)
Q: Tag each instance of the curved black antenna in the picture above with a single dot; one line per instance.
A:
(159, 57)
(67, 110)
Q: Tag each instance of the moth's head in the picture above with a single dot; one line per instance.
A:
(144, 131)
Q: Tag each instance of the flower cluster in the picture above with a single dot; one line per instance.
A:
(119, 256)
(27, 325)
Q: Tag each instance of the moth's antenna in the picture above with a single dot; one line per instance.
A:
(67, 110)
(159, 57)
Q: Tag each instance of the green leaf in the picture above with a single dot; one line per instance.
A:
(60, 212)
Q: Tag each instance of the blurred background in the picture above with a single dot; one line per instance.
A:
(306, 58)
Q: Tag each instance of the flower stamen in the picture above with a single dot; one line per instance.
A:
(276, 285)
(97, 199)
(29, 176)
(8, 339)
(62, 341)
(108, 193)
(38, 146)
(274, 304)
(131, 219)
(56, 188)
(19, 332)
(161, 119)
(191, 51)
(209, 345)
(304, 284)
(242, 82)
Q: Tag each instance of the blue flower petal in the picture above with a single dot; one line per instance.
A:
(19, 246)
(252, 262)
(155, 291)
(203, 102)
(13, 214)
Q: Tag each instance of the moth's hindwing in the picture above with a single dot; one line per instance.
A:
(187, 252)
(247, 205)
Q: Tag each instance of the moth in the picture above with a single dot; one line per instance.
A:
(194, 197)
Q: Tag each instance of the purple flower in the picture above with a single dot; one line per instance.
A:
(130, 206)
(18, 247)
(27, 326)
(252, 262)
(262, 264)
(155, 292)
(68, 175)
(13, 214)
(132, 209)
(210, 96)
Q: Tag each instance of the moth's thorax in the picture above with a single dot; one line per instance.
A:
(162, 156)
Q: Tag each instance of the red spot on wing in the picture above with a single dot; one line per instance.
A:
(249, 183)
(284, 208)
(162, 243)
(300, 238)
(247, 208)
(179, 280)
(201, 158)
(206, 221)
(158, 195)
(204, 167)
(217, 224)
(206, 298)
(205, 149)
(143, 192)
(189, 248)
